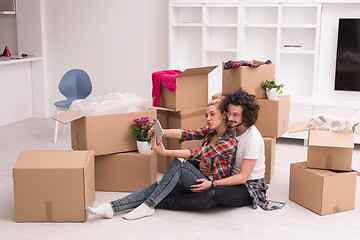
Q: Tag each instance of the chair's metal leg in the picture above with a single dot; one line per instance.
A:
(56, 126)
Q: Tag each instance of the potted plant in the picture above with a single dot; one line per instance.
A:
(271, 89)
(140, 130)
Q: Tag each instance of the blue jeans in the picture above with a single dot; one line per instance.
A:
(177, 179)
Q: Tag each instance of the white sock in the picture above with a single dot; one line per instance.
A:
(141, 211)
(105, 210)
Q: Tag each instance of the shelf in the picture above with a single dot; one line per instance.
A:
(298, 26)
(296, 51)
(15, 60)
(234, 50)
(186, 14)
(7, 12)
(186, 25)
(221, 14)
(300, 14)
(228, 25)
(260, 25)
(260, 14)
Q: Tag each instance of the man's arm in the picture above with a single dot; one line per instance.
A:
(247, 167)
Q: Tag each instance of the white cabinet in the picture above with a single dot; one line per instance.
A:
(210, 33)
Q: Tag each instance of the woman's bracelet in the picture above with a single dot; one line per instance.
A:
(212, 183)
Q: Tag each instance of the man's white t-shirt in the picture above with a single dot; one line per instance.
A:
(250, 146)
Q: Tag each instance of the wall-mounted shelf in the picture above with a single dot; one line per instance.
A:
(16, 59)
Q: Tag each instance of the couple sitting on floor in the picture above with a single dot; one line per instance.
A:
(227, 170)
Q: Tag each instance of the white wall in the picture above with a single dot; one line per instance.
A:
(328, 46)
(118, 43)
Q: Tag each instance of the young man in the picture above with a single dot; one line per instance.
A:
(246, 185)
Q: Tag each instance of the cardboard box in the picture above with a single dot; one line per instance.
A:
(105, 134)
(327, 149)
(270, 144)
(322, 191)
(191, 90)
(247, 78)
(273, 119)
(125, 172)
(53, 186)
(186, 119)
(330, 150)
(215, 96)
(163, 162)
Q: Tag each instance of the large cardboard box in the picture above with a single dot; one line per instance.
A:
(273, 119)
(191, 90)
(270, 144)
(247, 78)
(322, 191)
(327, 149)
(105, 134)
(125, 172)
(330, 150)
(186, 119)
(163, 162)
(53, 186)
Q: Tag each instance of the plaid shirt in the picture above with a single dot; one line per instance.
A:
(222, 153)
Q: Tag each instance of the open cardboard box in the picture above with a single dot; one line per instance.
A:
(191, 90)
(327, 149)
(53, 186)
(216, 96)
(105, 134)
(322, 191)
(247, 78)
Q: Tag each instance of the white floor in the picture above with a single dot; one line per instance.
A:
(291, 222)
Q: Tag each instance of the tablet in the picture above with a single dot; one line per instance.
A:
(159, 132)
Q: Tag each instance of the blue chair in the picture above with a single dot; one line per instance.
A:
(75, 84)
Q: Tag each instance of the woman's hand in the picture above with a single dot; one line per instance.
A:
(204, 184)
(151, 132)
(160, 149)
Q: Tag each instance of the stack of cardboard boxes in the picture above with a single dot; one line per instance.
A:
(325, 183)
(273, 119)
(184, 108)
(57, 186)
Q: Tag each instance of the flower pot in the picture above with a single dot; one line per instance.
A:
(143, 147)
(272, 94)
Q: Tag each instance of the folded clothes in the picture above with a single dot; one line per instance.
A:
(165, 78)
(234, 64)
(330, 123)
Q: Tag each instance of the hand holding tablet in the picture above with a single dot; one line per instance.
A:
(159, 132)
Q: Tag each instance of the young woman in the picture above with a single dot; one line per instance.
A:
(218, 150)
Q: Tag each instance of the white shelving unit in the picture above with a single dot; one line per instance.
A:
(206, 33)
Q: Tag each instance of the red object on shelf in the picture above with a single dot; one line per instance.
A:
(6, 52)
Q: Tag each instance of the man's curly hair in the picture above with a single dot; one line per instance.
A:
(246, 101)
